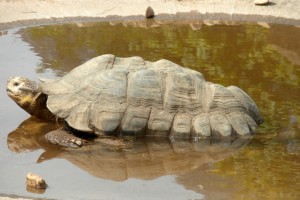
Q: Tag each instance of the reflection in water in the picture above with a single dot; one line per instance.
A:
(3, 33)
(285, 40)
(217, 50)
(148, 158)
(262, 61)
(29, 136)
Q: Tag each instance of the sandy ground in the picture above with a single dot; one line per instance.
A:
(14, 198)
(24, 12)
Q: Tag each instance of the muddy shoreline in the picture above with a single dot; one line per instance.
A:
(161, 17)
(19, 13)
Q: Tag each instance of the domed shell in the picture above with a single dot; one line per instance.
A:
(108, 93)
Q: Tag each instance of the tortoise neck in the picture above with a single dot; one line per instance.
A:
(38, 108)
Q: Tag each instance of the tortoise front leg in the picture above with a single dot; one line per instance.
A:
(64, 138)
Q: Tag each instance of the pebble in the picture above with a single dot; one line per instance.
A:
(35, 181)
(149, 12)
(261, 2)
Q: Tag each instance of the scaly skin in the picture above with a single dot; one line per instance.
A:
(64, 138)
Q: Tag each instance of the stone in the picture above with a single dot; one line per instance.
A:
(149, 12)
(264, 24)
(261, 2)
(35, 181)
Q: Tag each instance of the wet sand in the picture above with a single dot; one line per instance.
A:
(24, 13)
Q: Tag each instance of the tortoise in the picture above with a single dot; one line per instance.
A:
(114, 96)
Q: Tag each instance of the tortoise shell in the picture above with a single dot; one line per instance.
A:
(108, 94)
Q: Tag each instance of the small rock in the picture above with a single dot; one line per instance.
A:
(35, 181)
(261, 2)
(264, 24)
(149, 12)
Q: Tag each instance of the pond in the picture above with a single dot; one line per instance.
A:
(262, 59)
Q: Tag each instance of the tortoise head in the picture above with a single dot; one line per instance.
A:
(23, 91)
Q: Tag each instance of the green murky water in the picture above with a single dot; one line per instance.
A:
(264, 60)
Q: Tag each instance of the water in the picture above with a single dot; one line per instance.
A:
(264, 60)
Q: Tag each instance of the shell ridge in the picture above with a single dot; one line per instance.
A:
(171, 132)
(55, 108)
(182, 125)
(201, 125)
(248, 103)
(106, 116)
(239, 123)
(110, 64)
(65, 84)
(82, 124)
(144, 89)
(225, 101)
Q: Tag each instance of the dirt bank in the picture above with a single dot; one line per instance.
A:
(23, 12)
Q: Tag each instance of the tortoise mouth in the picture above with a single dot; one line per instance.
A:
(9, 92)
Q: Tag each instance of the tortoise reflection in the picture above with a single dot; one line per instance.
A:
(147, 158)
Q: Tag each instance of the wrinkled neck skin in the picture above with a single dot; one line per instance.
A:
(37, 107)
